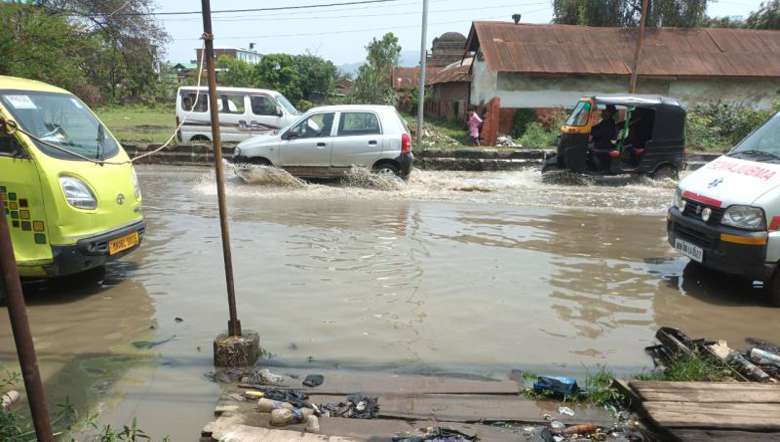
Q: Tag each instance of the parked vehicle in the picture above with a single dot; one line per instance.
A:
(243, 113)
(328, 141)
(726, 215)
(66, 214)
(650, 139)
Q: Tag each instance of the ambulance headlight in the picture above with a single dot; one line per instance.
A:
(679, 201)
(136, 186)
(744, 217)
(77, 193)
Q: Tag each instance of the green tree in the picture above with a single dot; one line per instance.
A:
(374, 82)
(620, 13)
(317, 76)
(236, 73)
(280, 72)
(767, 16)
(41, 46)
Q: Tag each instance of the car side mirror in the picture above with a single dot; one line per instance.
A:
(289, 135)
(279, 112)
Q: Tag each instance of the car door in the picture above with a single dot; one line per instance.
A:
(358, 140)
(307, 145)
(264, 114)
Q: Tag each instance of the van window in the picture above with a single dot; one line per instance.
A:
(316, 126)
(231, 104)
(358, 123)
(62, 120)
(287, 105)
(263, 105)
(188, 97)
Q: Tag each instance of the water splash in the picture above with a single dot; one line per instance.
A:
(267, 176)
(362, 177)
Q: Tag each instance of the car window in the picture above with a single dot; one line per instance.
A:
(316, 126)
(231, 104)
(263, 105)
(188, 97)
(358, 123)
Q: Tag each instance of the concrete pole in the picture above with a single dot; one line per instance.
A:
(17, 312)
(423, 62)
(639, 43)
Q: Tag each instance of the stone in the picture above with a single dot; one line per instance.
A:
(236, 351)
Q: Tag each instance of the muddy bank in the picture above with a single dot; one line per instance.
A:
(465, 159)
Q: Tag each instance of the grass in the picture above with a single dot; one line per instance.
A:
(597, 389)
(688, 368)
(139, 124)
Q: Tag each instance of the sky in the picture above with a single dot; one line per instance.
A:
(341, 33)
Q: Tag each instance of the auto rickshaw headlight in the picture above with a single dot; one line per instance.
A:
(679, 201)
(744, 217)
(77, 193)
(136, 186)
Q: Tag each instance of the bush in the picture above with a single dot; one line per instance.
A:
(521, 120)
(701, 135)
(304, 105)
(721, 125)
(537, 136)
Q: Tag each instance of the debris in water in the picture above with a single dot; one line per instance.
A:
(566, 410)
(474, 189)
(314, 380)
(178, 319)
(266, 175)
(145, 345)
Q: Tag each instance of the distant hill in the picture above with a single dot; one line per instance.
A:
(407, 58)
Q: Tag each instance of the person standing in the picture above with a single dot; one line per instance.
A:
(474, 124)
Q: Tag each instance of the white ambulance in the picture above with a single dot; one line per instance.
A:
(726, 215)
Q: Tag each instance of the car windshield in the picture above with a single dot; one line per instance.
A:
(287, 105)
(763, 144)
(579, 116)
(62, 120)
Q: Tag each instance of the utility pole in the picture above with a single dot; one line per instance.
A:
(17, 311)
(639, 42)
(423, 62)
(234, 325)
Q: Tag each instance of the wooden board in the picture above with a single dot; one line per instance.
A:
(342, 382)
(742, 416)
(723, 435)
(730, 392)
(476, 408)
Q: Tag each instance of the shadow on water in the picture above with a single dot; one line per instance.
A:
(718, 288)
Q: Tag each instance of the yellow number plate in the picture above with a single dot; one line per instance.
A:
(120, 244)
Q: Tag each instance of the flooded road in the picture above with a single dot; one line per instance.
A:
(457, 272)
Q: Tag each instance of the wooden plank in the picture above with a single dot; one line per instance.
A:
(477, 408)
(385, 429)
(747, 392)
(342, 382)
(751, 417)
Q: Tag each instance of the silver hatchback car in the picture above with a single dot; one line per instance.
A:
(327, 141)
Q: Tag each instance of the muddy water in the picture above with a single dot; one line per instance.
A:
(458, 272)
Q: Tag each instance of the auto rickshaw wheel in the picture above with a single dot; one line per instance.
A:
(665, 171)
(774, 289)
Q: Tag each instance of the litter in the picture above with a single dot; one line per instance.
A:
(314, 380)
(250, 394)
(269, 405)
(566, 410)
(562, 385)
(312, 424)
(285, 416)
(557, 426)
(764, 357)
(747, 368)
(438, 434)
(8, 399)
(581, 429)
(357, 406)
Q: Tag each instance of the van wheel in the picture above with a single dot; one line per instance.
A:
(774, 289)
(387, 170)
(200, 139)
(665, 172)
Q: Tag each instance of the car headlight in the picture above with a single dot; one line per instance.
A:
(679, 201)
(136, 186)
(744, 217)
(77, 193)
(237, 152)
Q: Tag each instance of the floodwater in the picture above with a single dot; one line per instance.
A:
(458, 272)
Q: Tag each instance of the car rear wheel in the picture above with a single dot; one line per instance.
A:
(387, 170)
(774, 289)
(665, 172)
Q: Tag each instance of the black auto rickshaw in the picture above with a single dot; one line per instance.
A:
(649, 138)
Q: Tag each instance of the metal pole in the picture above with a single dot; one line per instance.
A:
(423, 62)
(639, 42)
(17, 311)
(234, 325)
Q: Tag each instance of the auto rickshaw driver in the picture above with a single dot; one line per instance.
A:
(602, 138)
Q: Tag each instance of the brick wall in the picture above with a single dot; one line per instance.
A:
(491, 121)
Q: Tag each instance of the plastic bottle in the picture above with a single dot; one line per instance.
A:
(764, 357)
(748, 368)
(268, 405)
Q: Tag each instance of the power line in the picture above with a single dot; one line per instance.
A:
(224, 11)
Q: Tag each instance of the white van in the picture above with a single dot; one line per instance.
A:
(726, 215)
(243, 113)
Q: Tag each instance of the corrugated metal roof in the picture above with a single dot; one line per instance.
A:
(408, 78)
(455, 72)
(565, 49)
